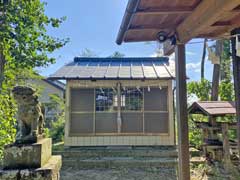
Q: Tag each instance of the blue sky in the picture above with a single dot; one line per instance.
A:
(94, 25)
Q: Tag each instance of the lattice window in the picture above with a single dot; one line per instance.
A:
(132, 99)
(106, 99)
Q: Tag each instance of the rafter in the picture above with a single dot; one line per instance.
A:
(153, 26)
(205, 14)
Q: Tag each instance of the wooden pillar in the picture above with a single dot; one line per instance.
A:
(226, 147)
(181, 111)
(236, 78)
(119, 119)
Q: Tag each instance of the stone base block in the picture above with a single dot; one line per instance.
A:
(50, 171)
(25, 156)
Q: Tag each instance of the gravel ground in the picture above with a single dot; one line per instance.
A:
(119, 174)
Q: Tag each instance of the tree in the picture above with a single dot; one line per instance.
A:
(117, 54)
(88, 53)
(24, 44)
(226, 87)
(203, 58)
(23, 38)
(225, 74)
(201, 89)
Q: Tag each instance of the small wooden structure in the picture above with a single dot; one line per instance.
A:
(213, 108)
(213, 146)
(181, 21)
(118, 101)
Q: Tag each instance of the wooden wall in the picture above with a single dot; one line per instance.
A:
(120, 139)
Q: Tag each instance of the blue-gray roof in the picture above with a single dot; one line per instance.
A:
(116, 68)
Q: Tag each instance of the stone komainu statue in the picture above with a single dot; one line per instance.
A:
(29, 117)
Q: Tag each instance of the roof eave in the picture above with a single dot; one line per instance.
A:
(121, 78)
(130, 10)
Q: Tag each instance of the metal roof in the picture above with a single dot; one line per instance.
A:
(116, 68)
(213, 108)
(56, 83)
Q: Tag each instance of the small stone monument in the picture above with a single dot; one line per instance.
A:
(30, 157)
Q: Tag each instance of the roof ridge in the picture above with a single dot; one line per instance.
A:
(77, 59)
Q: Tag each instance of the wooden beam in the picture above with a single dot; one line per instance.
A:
(163, 11)
(205, 14)
(182, 116)
(236, 78)
(158, 27)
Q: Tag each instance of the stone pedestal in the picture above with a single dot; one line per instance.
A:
(30, 161)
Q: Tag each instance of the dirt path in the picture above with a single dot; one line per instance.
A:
(119, 174)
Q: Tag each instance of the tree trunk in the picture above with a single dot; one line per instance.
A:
(215, 88)
(203, 58)
(216, 72)
(215, 82)
(2, 64)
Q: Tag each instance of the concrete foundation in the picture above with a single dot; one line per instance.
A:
(27, 156)
(50, 171)
(31, 162)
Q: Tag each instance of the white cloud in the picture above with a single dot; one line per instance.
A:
(197, 70)
(193, 66)
(190, 53)
(157, 53)
(154, 55)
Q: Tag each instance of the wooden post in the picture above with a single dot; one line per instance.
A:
(236, 78)
(181, 111)
(119, 120)
(226, 147)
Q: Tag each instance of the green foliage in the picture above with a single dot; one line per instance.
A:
(24, 44)
(225, 72)
(195, 135)
(201, 89)
(46, 132)
(56, 101)
(7, 120)
(226, 91)
(56, 130)
(23, 38)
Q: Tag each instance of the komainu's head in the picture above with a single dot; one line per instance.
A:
(25, 95)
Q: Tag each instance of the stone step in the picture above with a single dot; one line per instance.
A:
(114, 157)
(97, 152)
(116, 162)
(126, 162)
